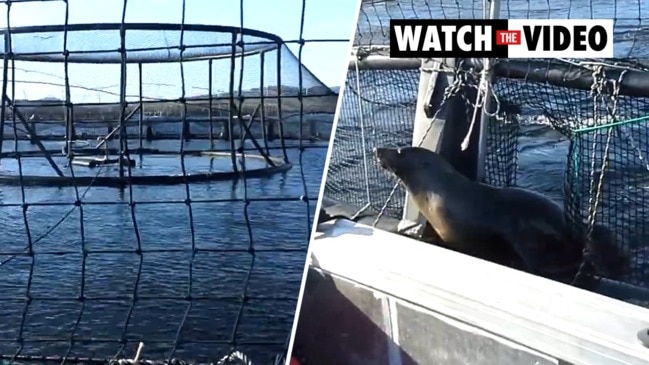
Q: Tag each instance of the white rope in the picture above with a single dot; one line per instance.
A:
(594, 197)
(138, 353)
(479, 104)
(235, 358)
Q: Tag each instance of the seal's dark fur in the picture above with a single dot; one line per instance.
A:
(511, 226)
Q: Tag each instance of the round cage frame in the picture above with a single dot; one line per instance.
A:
(42, 48)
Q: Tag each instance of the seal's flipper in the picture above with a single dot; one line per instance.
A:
(324, 217)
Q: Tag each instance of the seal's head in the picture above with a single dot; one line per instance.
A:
(416, 167)
(399, 160)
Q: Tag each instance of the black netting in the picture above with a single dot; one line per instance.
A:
(193, 270)
(393, 94)
(555, 125)
(155, 102)
(604, 137)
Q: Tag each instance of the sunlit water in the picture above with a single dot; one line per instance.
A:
(160, 225)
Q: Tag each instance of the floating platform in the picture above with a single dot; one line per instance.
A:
(160, 163)
(94, 161)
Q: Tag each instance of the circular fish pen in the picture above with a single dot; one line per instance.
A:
(200, 166)
(171, 115)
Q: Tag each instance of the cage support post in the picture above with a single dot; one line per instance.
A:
(225, 130)
(123, 143)
(434, 77)
(280, 121)
(272, 132)
(209, 102)
(272, 123)
(230, 122)
(186, 128)
(485, 88)
(5, 82)
(69, 110)
(69, 121)
(140, 107)
(262, 109)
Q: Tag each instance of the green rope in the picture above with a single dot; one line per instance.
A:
(610, 125)
(576, 158)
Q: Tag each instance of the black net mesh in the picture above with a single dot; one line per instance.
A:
(373, 30)
(193, 271)
(155, 103)
(603, 137)
(379, 105)
(556, 126)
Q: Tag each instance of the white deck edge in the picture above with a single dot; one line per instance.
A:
(571, 324)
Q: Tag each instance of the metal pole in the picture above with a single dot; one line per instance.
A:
(262, 110)
(139, 67)
(280, 122)
(209, 112)
(5, 81)
(230, 129)
(122, 102)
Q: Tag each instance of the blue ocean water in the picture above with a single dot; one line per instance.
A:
(179, 257)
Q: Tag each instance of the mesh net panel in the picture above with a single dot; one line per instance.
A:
(546, 136)
(393, 94)
(604, 136)
(193, 271)
(162, 106)
(373, 30)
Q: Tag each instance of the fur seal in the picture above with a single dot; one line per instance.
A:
(510, 226)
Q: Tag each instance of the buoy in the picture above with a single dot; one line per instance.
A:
(85, 163)
(94, 161)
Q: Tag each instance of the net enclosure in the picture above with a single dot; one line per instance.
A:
(181, 92)
(573, 130)
(142, 168)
